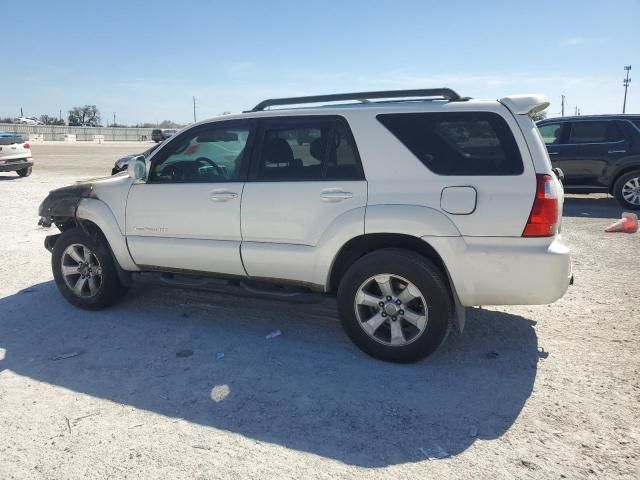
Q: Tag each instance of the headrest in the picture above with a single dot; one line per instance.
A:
(277, 150)
(318, 148)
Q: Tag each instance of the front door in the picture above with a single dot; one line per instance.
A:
(186, 216)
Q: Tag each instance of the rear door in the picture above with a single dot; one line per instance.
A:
(591, 145)
(306, 175)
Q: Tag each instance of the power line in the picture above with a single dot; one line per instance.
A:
(626, 83)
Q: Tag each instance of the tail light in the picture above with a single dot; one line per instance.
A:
(543, 220)
(26, 146)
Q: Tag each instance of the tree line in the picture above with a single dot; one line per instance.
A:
(89, 116)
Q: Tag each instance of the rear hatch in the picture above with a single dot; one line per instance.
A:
(13, 147)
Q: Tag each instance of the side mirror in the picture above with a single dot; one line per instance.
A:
(137, 168)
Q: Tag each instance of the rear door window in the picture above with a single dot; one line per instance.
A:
(551, 133)
(594, 132)
(307, 149)
(458, 143)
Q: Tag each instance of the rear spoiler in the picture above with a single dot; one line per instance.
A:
(525, 104)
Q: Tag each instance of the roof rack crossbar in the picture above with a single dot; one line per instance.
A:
(445, 93)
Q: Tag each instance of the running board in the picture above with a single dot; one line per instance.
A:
(238, 287)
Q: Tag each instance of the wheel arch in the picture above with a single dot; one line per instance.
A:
(361, 245)
(624, 170)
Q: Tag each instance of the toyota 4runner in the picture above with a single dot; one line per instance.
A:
(408, 209)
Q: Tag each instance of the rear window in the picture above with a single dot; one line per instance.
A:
(458, 143)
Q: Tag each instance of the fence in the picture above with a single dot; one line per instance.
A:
(82, 134)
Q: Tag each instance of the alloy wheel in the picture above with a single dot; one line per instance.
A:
(391, 310)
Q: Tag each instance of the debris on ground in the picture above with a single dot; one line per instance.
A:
(201, 447)
(492, 355)
(473, 431)
(435, 452)
(135, 425)
(628, 223)
(220, 356)
(275, 333)
(62, 356)
(184, 353)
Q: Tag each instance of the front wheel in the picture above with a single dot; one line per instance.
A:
(395, 305)
(84, 271)
(627, 190)
(25, 172)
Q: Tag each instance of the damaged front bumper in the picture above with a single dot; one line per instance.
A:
(62, 203)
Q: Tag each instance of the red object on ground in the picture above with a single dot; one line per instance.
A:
(627, 224)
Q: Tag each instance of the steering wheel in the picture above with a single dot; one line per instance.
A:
(218, 170)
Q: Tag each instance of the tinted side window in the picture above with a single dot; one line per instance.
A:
(458, 143)
(588, 132)
(310, 149)
(212, 154)
(342, 161)
(550, 133)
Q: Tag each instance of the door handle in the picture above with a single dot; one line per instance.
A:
(335, 195)
(553, 153)
(617, 151)
(222, 196)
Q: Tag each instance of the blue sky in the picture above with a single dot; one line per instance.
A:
(145, 60)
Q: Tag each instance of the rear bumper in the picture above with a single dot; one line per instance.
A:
(13, 165)
(506, 271)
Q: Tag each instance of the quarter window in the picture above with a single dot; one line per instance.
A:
(205, 155)
(458, 143)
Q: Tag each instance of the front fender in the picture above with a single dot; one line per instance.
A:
(98, 212)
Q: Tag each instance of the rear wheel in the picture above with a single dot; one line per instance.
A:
(84, 271)
(395, 305)
(627, 190)
(25, 172)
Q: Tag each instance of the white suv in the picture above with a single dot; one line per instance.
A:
(407, 209)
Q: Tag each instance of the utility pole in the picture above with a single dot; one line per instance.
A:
(626, 83)
(114, 119)
(60, 114)
(21, 114)
(562, 103)
(194, 109)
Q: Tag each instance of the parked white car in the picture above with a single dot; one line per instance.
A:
(407, 210)
(28, 121)
(15, 154)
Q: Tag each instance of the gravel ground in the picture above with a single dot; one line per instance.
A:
(140, 390)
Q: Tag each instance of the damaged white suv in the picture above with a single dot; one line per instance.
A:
(408, 208)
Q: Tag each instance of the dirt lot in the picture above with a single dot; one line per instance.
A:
(526, 392)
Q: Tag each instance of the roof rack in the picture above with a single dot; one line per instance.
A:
(445, 93)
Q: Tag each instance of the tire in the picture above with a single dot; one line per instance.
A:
(628, 185)
(25, 172)
(108, 289)
(403, 268)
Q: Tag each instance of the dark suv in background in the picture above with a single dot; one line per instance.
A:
(597, 153)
